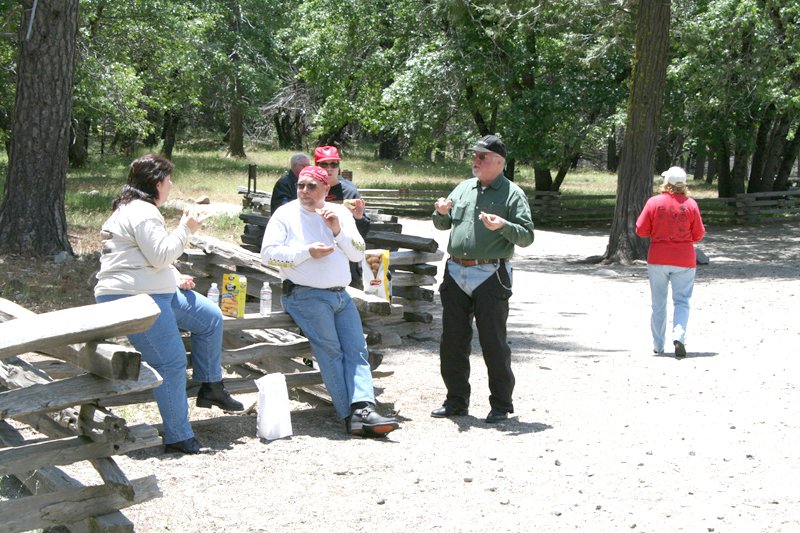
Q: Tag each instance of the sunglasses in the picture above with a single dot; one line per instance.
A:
(333, 164)
(310, 186)
(480, 156)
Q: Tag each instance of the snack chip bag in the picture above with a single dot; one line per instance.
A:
(232, 295)
(377, 279)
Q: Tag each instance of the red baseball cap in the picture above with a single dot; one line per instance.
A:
(318, 173)
(326, 153)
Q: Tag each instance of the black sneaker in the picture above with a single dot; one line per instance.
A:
(680, 349)
(190, 446)
(367, 422)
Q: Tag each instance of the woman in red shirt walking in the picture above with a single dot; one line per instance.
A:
(673, 223)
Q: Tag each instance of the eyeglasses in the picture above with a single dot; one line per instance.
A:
(480, 156)
(332, 164)
(309, 185)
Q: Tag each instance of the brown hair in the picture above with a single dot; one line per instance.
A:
(143, 175)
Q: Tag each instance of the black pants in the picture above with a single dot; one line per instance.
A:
(489, 305)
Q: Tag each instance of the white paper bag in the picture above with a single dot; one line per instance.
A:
(274, 419)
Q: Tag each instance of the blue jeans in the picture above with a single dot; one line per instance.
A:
(331, 323)
(470, 278)
(682, 281)
(162, 348)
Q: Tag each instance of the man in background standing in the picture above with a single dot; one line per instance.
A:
(487, 215)
(285, 189)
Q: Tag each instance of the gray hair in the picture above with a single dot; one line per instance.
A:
(296, 158)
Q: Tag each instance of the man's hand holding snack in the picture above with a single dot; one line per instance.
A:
(443, 205)
(356, 206)
(319, 250)
(331, 220)
(492, 222)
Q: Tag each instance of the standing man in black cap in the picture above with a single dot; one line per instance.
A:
(487, 216)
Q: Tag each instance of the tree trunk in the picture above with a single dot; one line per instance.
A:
(777, 141)
(511, 168)
(236, 140)
(612, 157)
(543, 180)
(79, 142)
(722, 154)
(790, 151)
(755, 182)
(712, 168)
(700, 162)
(169, 132)
(389, 147)
(32, 216)
(635, 178)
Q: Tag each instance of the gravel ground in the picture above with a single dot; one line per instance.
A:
(606, 436)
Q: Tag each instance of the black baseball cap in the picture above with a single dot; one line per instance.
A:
(490, 143)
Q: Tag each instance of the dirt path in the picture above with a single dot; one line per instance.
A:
(606, 436)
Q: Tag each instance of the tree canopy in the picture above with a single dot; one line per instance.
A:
(424, 78)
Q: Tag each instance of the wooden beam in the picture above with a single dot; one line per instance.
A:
(51, 479)
(72, 391)
(70, 505)
(77, 324)
(387, 239)
(110, 361)
(64, 451)
(407, 257)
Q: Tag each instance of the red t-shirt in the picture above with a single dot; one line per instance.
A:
(673, 223)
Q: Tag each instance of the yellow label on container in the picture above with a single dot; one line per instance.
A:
(232, 295)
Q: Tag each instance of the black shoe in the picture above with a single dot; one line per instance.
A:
(680, 349)
(368, 423)
(495, 416)
(446, 412)
(215, 394)
(190, 446)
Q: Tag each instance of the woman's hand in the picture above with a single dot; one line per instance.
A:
(185, 282)
(192, 219)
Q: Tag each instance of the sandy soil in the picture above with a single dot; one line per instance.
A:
(606, 436)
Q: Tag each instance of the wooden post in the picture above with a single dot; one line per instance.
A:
(251, 177)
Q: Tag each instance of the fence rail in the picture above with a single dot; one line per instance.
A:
(556, 209)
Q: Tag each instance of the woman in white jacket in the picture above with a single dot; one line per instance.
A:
(137, 258)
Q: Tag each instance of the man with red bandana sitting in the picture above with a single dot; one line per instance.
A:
(312, 241)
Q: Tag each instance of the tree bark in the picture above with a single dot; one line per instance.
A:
(236, 140)
(635, 178)
(790, 151)
(612, 157)
(170, 132)
(79, 142)
(777, 141)
(755, 182)
(700, 161)
(542, 178)
(32, 216)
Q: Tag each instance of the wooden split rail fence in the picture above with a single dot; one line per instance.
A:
(556, 209)
(69, 415)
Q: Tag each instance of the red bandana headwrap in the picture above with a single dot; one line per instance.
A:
(318, 173)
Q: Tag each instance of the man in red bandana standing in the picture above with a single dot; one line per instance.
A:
(312, 241)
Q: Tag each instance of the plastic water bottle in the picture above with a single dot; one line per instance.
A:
(266, 300)
(213, 293)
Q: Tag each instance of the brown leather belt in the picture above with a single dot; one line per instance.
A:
(473, 262)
